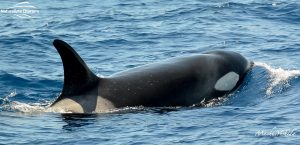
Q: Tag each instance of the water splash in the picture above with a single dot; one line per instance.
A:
(6, 100)
(217, 101)
(9, 105)
(278, 77)
(10, 95)
(27, 108)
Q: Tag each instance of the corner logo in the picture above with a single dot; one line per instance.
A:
(22, 10)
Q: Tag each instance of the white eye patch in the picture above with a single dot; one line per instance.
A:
(227, 82)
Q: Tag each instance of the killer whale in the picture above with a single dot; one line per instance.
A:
(180, 81)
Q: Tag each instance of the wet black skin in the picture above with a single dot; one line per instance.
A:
(180, 81)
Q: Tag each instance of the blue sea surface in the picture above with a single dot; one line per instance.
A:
(115, 35)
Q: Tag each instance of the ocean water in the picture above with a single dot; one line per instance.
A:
(115, 35)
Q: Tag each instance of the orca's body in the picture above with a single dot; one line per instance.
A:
(181, 81)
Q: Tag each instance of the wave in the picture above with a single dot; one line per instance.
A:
(278, 77)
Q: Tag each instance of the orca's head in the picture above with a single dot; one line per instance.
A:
(233, 67)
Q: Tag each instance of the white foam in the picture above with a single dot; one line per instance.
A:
(22, 107)
(26, 108)
(278, 76)
(33, 108)
(213, 102)
(10, 95)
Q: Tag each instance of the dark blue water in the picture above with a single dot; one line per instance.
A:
(114, 35)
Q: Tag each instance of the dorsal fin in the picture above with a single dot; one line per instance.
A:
(78, 78)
